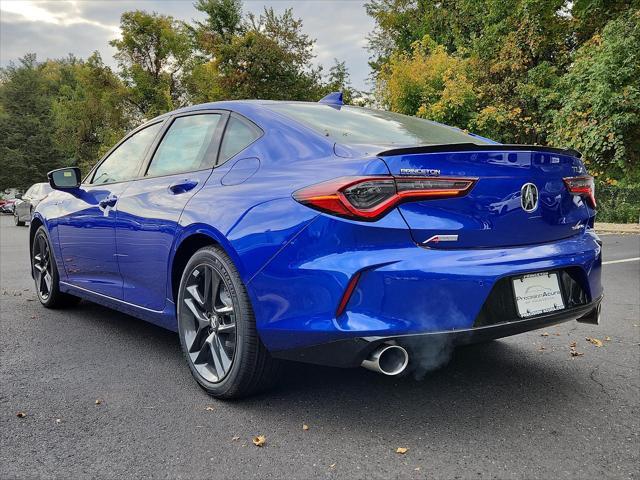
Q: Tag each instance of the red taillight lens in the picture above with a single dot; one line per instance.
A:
(369, 198)
(583, 186)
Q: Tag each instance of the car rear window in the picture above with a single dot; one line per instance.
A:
(356, 125)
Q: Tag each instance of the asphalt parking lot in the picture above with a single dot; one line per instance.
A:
(521, 407)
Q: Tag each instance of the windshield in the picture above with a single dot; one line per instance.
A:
(356, 125)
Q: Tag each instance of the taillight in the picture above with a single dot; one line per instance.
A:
(369, 198)
(583, 186)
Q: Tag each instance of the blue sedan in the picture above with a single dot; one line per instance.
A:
(323, 233)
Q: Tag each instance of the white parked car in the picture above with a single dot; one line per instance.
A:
(25, 204)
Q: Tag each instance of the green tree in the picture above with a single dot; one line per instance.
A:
(90, 114)
(267, 56)
(600, 101)
(26, 146)
(152, 54)
(339, 80)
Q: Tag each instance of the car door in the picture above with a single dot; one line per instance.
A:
(86, 228)
(22, 207)
(149, 211)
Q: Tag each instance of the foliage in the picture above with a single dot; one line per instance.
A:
(265, 56)
(519, 71)
(71, 111)
(618, 203)
(430, 83)
(89, 115)
(27, 148)
(152, 53)
(600, 101)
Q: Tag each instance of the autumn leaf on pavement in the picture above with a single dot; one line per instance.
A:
(573, 351)
(259, 441)
(607, 339)
(98, 402)
(305, 427)
(209, 408)
(235, 438)
(595, 341)
(21, 414)
(544, 334)
(402, 450)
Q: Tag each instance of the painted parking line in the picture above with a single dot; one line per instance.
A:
(624, 260)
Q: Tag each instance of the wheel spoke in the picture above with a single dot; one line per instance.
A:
(201, 320)
(226, 310)
(195, 294)
(204, 355)
(226, 327)
(221, 359)
(48, 281)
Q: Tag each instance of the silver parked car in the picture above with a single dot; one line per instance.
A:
(25, 204)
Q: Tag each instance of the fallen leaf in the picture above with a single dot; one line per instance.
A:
(209, 408)
(417, 469)
(402, 450)
(21, 414)
(573, 351)
(595, 341)
(305, 427)
(58, 420)
(607, 339)
(544, 334)
(98, 402)
(259, 441)
(541, 349)
(235, 438)
(332, 465)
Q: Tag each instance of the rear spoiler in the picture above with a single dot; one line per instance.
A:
(472, 147)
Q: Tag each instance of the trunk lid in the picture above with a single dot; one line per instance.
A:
(492, 213)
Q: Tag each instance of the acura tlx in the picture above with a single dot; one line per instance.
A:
(320, 232)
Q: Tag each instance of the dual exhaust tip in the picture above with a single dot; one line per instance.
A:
(388, 360)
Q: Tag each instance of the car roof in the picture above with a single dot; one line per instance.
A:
(240, 106)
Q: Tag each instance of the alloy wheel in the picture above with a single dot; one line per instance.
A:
(208, 323)
(42, 267)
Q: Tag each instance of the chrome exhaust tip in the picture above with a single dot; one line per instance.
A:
(388, 360)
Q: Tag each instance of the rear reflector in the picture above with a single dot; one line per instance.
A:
(346, 296)
(582, 186)
(370, 198)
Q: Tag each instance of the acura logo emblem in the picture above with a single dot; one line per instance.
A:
(529, 197)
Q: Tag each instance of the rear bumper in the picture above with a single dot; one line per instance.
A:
(350, 352)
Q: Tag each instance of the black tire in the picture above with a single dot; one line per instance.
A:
(43, 264)
(223, 316)
(16, 220)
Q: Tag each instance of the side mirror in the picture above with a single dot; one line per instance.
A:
(65, 178)
(18, 196)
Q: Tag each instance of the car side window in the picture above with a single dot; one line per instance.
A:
(124, 161)
(185, 146)
(237, 136)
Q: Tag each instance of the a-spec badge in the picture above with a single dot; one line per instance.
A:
(441, 238)
(424, 172)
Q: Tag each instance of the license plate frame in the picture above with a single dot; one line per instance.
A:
(538, 293)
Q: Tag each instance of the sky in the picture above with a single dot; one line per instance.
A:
(55, 28)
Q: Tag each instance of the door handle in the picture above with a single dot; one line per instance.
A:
(108, 201)
(182, 186)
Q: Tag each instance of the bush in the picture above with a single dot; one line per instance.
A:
(618, 203)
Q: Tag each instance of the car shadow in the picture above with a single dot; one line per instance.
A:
(499, 383)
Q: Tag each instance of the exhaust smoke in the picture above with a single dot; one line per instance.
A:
(429, 354)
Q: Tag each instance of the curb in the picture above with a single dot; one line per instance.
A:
(619, 228)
